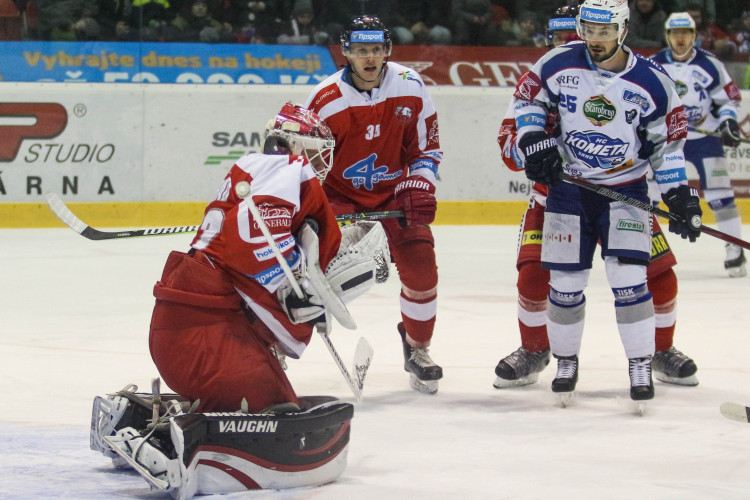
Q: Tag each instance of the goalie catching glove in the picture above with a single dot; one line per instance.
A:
(416, 196)
(354, 270)
(543, 162)
(684, 202)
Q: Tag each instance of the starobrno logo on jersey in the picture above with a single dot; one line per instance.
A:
(599, 110)
(682, 89)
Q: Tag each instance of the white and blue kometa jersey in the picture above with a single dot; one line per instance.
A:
(613, 125)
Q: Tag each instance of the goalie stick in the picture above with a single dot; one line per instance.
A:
(614, 195)
(72, 221)
(735, 411)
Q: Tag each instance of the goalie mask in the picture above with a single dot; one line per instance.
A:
(603, 21)
(685, 23)
(301, 132)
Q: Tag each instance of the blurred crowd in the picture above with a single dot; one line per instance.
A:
(723, 25)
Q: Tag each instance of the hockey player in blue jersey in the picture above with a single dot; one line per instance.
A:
(619, 117)
(711, 101)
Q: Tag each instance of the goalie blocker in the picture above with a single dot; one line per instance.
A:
(187, 454)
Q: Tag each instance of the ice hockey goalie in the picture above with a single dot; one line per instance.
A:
(187, 454)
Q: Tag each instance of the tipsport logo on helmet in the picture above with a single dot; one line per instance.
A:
(564, 23)
(679, 23)
(596, 15)
(368, 37)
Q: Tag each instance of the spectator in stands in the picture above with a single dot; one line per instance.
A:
(646, 28)
(708, 35)
(740, 38)
(527, 31)
(334, 15)
(141, 20)
(301, 29)
(68, 20)
(708, 6)
(471, 22)
(261, 22)
(195, 24)
(418, 22)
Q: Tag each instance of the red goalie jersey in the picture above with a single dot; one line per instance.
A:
(286, 192)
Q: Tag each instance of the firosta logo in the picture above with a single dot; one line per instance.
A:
(630, 225)
(599, 110)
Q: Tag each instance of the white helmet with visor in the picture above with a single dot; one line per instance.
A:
(603, 20)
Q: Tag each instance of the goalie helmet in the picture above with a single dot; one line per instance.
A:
(302, 132)
(594, 12)
(366, 29)
(564, 19)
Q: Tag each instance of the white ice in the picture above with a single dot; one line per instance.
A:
(74, 324)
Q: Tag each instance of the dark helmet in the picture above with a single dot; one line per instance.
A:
(366, 29)
(564, 19)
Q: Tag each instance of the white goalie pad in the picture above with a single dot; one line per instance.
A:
(362, 260)
(189, 454)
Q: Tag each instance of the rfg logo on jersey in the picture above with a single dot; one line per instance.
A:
(528, 87)
(50, 120)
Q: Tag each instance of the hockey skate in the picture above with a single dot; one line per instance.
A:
(521, 367)
(423, 372)
(674, 367)
(641, 385)
(565, 381)
(735, 261)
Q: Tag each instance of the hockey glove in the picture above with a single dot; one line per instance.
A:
(543, 161)
(307, 310)
(416, 196)
(684, 201)
(730, 133)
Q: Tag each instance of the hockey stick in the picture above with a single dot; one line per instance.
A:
(715, 134)
(614, 195)
(363, 354)
(735, 411)
(72, 221)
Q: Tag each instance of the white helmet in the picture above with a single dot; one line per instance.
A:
(303, 132)
(605, 12)
(679, 20)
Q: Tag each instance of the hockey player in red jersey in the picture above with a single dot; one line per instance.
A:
(249, 290)
(221, 307)
(386, 157)
(522, 367)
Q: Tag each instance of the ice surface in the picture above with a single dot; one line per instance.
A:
(74, 324)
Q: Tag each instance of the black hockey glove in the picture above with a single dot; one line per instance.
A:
(730, 133)
(543, 161)
(684, 201)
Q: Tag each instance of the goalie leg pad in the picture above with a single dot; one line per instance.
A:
(222, 453)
